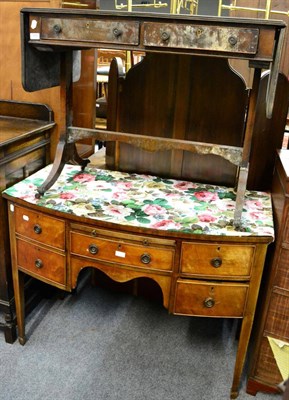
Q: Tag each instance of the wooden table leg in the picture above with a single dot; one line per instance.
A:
(65, 152)
(18, 282)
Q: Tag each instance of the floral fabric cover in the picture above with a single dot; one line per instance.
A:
(149, 202)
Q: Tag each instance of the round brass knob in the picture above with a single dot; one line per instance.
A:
(216, 262)
(232, 40)
(165, 36)
(117, 32)
(37, 229)
(38, 263)
(57, 28)
(145, 258)
(93, 249)
(209, 302)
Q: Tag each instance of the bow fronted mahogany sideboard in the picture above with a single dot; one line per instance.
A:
(177, 233)
(194, 229)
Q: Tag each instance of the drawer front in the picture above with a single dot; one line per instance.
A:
(216, 259)
(40, 227)
(201, 37)
(41, 262)
(210, 298)
(108, 31)
(122, 252)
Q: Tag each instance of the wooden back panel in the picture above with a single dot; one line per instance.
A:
(182, 97)
(268, 134)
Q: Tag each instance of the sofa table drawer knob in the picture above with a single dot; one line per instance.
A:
(145, 258)
(38, 263)
(216, 262)
(57, 29)
(117, 32)
(209, 302)
(165, 36)
(37, 229)
(232, 40)
(93, 249)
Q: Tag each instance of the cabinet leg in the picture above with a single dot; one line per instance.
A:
(241, 354)
(10, 328)
(18, 282)
(234, 394)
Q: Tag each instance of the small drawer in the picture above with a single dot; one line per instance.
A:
(122, 252)
(41, 263)
(91, 30)
(40, 227)
(201, 37)
(217, 259)
(210, 299)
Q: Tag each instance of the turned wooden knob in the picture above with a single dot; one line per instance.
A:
(57, 28)
(165, 36)
(232, 40)
(117, 32)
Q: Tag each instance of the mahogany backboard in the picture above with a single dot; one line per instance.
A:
(183, 97)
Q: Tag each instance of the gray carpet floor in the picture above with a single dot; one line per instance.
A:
(99, 344)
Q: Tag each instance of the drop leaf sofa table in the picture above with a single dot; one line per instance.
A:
(172, 205)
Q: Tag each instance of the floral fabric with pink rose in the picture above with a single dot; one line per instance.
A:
(149, 201)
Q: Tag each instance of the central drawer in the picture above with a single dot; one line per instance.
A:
(128, 251)
(217, 260)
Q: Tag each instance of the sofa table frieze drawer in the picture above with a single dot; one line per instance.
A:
(92, 30)
(201, 37)
(124, 252)
(40, 227)
(207, 299)
(217, 260)
(41, 263)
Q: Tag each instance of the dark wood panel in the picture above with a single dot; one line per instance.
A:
(181, 110)
(24, 149)
(268, 134)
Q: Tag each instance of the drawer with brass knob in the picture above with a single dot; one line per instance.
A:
(39, 227)
(217, 260)
(143, 254)
(205, 298)
(92, 30)
(44, 264)
(201, 37)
